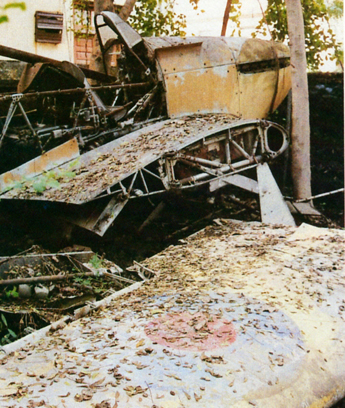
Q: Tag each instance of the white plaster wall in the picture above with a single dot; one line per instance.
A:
(19, 32)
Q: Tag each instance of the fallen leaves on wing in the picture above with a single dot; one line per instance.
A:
(131, 390)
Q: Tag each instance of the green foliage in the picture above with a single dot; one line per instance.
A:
(82, 280)
(82, 27)
(234, 16)
(155, 18)
(149, 18)
(15, 4)
(96, 261)
(12, 293)
(9, 335)
(48, 179)
(4, 17)
(319, 37)
(336, 9)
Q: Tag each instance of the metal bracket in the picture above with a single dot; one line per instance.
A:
(11, 111)
(274, 210)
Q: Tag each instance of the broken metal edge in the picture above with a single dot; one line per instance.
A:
(81, 312)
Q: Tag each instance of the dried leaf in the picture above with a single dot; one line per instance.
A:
(197, 397)
(214, 374)
(140, 343)
(187, 395)
(97, 383)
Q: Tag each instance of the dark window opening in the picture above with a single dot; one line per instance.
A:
(262, 66)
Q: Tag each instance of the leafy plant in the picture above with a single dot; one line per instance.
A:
(235, 17)
(96, 261)
(82, 280)
(157, 18)
(12, 293)
(47, 179)
(10, 334)
(319, 37)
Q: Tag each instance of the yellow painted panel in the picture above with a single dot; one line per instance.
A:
(208, 53)
(203, 91)
(180, 58)
(257, 91)
(284, 86)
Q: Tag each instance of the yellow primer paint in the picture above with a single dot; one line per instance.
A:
(204, 77)
(324, 402)
(203, 91)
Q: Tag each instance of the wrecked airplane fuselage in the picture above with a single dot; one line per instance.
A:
(185, 114)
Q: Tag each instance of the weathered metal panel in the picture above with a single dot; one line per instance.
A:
(102, 168)
(283, 87)
(256, 93)
(203, 77)
(210, 45)
(257, 104)
(61, 154)
(274, 209)
(203, 54)
(206, 90)
(256, 50)
(127, 33)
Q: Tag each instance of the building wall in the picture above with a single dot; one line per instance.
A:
(19, 32)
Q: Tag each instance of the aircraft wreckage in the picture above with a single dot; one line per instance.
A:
(183, 114)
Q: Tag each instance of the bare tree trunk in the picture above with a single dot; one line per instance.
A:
(126, 9)
(226, 17)
(96, 62)
(300, 134)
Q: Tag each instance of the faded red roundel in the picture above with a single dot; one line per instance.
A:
(196, 332)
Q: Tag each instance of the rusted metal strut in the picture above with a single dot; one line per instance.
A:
(33, 59)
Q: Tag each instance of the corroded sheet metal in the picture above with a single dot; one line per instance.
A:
(255, 50)
(203, 91)
(205, 76)
(105, 166)
(53, 158)
(127, 33)
(239, 315)
(204, 53)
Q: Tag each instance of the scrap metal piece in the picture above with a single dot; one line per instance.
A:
(302, 208)
(237, 180)
(34, 58)
(111, 211)
(274, 209)
(12, 109)
(55, 157)
(126, 32)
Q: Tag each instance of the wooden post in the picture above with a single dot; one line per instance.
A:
(226, 17)
(300, 132)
